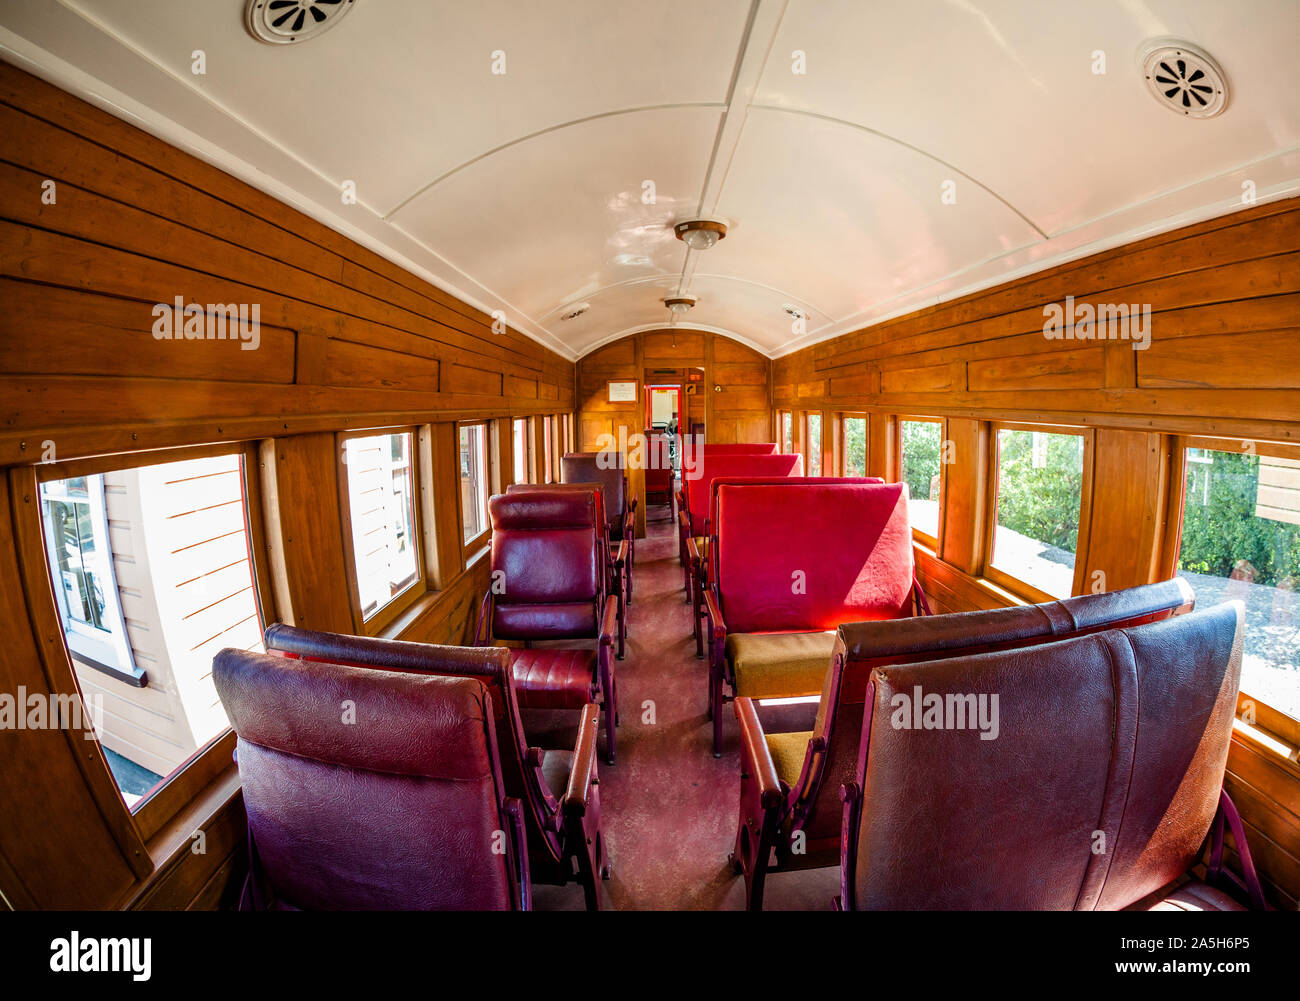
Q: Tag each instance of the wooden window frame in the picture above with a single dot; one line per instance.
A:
(780, 430)
(1000, 578)
(472, 547)
(134, 828)
(807, 441)
(400, 603)
(527, 457)
(841, 443)
(1274, 720)
(933, 542)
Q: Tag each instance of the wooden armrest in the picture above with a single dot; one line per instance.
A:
(583, 770)
(755, 756)
(692, 550)
(620, 554)
(715, 615)
(609, 621)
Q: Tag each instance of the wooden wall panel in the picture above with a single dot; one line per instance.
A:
(347, 339)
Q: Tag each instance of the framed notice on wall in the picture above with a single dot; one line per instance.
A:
(620, 392)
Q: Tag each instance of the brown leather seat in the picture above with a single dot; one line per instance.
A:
(790, 787)
(616, 554)
(1087, 778)
(1190, 896)
(558, 788)
(550, 580)
(397, 811)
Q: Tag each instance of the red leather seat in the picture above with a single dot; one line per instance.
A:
(694, 498)
(558, 788)
(658, 468)
(787, 560)
(790, 782)
(549, 582)
(697, 549)
(1098, 787)
(739, 448)
(397, 810)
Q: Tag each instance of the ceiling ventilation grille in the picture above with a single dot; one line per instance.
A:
(1185, 79)
(573, 312)
(282, 22)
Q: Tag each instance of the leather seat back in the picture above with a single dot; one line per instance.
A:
(793, 560)
(396, 808)
(491, 665)
(862, 646)
(1098, 788)
(658, 462)
(587, 468)
(788, 481)
(698, 477)
(739, 448)
(547, 563)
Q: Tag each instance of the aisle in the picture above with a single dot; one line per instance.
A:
(669, 806)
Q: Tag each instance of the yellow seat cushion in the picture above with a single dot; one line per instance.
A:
(780, 665)
(788, 751)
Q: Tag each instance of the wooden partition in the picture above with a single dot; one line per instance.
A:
(1223, 359)
(102, 226)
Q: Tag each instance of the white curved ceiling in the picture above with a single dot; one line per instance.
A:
(523, 190)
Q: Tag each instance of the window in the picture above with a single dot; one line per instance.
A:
(787, 430)
(473, 481)
(152, 575)
(1241, 539)
(1038, 491)
(813, 444)
(520, 450)
(853, 445)
(548, 447)
(380, 492)
(920, 444)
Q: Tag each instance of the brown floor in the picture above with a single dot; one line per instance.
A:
(668, 806)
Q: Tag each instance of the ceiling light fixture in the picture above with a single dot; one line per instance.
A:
(573, 312)
(680, 304)
(700, 234)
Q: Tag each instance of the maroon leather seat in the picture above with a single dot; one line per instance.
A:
(790, 782)
(616, 556)
(549, 582)
(398, 808)
(800, 562)
(1098, 785)
(620, 505)
(558, 788)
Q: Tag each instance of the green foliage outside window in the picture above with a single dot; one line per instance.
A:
(921, 444)
(1221, 529)
(1041, 499)
(855, 446)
